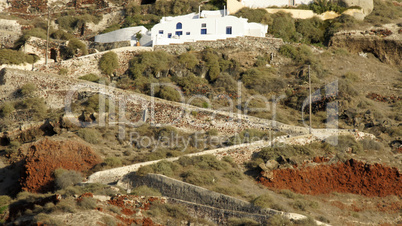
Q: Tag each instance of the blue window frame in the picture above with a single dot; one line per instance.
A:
(187, 33)
(229, 30)
(204, 31)
(169, 35)
(179, 26)
(161, 32)
(178, 33)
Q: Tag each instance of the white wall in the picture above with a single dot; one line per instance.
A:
(216, 29)
(125, 34)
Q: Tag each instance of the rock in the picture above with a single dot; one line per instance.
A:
(268, 167)
(45, 156)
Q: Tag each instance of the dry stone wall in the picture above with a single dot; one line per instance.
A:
(247, 43)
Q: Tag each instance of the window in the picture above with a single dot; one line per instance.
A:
(169, 35)
(187, 33)
(204, 31)
(179, 26)
(179, 33)
(229, 30)
(161, 32)
(203, 25)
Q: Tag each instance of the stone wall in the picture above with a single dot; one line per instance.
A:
(89, 63)
(256, 44)
(10, 31)
(108, 46)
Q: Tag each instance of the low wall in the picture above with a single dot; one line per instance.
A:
(108, 46)
(247, 43)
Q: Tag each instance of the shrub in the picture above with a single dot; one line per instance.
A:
(90, 135)
(66, 205)
(190, 84)
(278, 219)
(189, 60)
(144, 170)
(109, 62)
(73, 45)
(263, 201)
(60, 34)
(253, 15)
(262, 81)
(26, 34)
(6, 109)
(289, 194)
(109, 221)
(112, 162)
(90, 77)
(311, 29)
(27, 90)
(9, 56)
(300, 205)
(242, 221)
(150, 64)
(93, 103)
(199, 178)
(370, 144)
(321, 6)
(212, 132)
(63, 71)
(164, 167)
(36, 106)
(145, 191)
(169, 93)
(383, 12)
(87, 203)
(234, 176)
(283, 26)
(229, 190)
(114, 209)
(111, 28)
(65, 178)
(269, 153)
(45, 219)
(209, 162)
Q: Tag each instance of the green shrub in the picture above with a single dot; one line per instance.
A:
(6, 109)
(190, 84)
(321, 6)
(283, 26)
(36, 106)
(45, 219)
(9, 56)
(111, 28)
(145, 191)
(65, 178)
(164, 167)
(26, 34)
(263, 201)
(93, 103)
(109, 62)
(28, 89)
(189, 60)
(199, 178)
(242, 221)
(234, 176)
(169, 93)
(209, 162)
(311, 29)
(112, 162)
(74, 45)
(60, 34)
(150, 64)
(63, 71)
(274, 153)
(289, 194)
(90, 135)
(144, 170)
(229, 190)
(300, 205)
(109, 221)
(262, 81)
(370, 144)
(114, 209)
(87, 203)
(278, 219)
(4, 200)
(90, 77)
(66, 205)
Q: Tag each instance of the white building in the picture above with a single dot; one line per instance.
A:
(207, 25)
(125, 34)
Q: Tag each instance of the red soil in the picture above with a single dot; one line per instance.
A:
(350, 177)
(44, 156)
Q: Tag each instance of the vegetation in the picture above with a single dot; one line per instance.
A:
(90, 77)
(6, 109)
(9, 56)
(145, 191)
(112, 162)
(74, 45)
(65, 178)
(90, 135)
(384, 12)
(109, 62)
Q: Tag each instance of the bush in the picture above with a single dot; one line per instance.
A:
(27, 90)
(311, 29)
(370, 144)
(300, 205)
(191, 83)
(263, 201)
(383, 12)
(112, 162)
(6, 109)
(229, 190)
(109, 221)
(90, 77)
(234, 176)
(242, 221)
(283, 26)
(253, 15)
(199, 178)
(9, 56)
(275, 153)
(289, 194)
(164, 167)
(93, 103)
(87, 203)
(65, 178)
(144, 170)
(111, 28)
(36, 106)
(301, 55)
(278, 219)
(189, 60)
(74, 45)
(321, 6)
(60, 34)
(109, 62)
(145, 191)
(262, 81)
(209, 162)
(63, 71)
(90, 135)
(169, 93)
(150, 64)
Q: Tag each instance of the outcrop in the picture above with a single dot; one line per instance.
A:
(45, 156)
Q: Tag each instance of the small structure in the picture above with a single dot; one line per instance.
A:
(126, 34)
(203, 26)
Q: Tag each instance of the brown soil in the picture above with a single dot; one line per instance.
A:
(350, 177)
(44, 156)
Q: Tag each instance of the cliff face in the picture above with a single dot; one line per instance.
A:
(388, 49)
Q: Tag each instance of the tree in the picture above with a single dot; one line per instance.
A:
(109, 62)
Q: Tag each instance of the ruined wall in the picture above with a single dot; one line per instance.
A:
(10, 31)
(83, 65)
(108, 46)
(257, 44)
